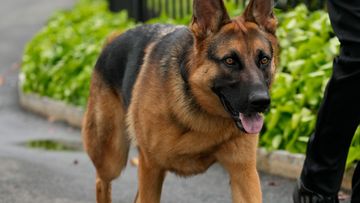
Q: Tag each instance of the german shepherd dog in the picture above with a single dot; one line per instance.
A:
(186, 96)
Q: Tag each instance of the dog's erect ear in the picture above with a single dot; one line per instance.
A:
(261, 13)
(209, 16)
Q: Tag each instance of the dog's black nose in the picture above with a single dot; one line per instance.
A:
(259, 101)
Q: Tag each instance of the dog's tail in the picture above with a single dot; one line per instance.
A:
(104, 135)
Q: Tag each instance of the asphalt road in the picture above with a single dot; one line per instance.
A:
(36, 176)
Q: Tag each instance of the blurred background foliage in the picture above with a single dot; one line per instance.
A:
(58, 62)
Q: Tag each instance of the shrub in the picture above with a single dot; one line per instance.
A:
(59, 60)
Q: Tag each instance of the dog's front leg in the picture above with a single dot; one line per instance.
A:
(245, 185)
(151, 178)
(239, 158)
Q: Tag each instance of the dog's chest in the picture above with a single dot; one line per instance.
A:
(187, 165)
(197, 155)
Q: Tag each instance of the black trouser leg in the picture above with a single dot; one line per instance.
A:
(356, 185)
(338, 118)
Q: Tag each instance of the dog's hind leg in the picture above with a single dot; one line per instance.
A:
(103, 190)
(104, 136)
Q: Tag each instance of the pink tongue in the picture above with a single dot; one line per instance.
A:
(252, 123)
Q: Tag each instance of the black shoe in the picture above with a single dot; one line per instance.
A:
(303, 195)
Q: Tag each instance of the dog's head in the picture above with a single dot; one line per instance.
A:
(234, 61)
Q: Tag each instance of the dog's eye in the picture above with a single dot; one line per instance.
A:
(264, 61)
(230, 61)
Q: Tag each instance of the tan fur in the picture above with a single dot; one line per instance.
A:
(169, 135)
(103, 136)
(112, 36)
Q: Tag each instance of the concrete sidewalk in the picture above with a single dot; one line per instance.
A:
(35, 176)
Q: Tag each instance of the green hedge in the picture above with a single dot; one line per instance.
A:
(58, 62)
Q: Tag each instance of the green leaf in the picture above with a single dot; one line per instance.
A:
(354, 155)
(276, 141)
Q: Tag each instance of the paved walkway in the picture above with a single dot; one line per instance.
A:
(35, 176)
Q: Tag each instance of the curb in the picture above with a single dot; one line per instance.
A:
(288, 165)
(51, 109)
(279, 162)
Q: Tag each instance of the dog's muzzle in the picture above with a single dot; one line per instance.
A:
(252, 121)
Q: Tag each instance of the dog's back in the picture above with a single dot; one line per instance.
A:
(121, 60)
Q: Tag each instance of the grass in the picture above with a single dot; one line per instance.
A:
(53, 145)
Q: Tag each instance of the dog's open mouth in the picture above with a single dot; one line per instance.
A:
(250, 123)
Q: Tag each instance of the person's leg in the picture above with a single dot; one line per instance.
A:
(339, 114)
(356, 185)
(338, 118)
